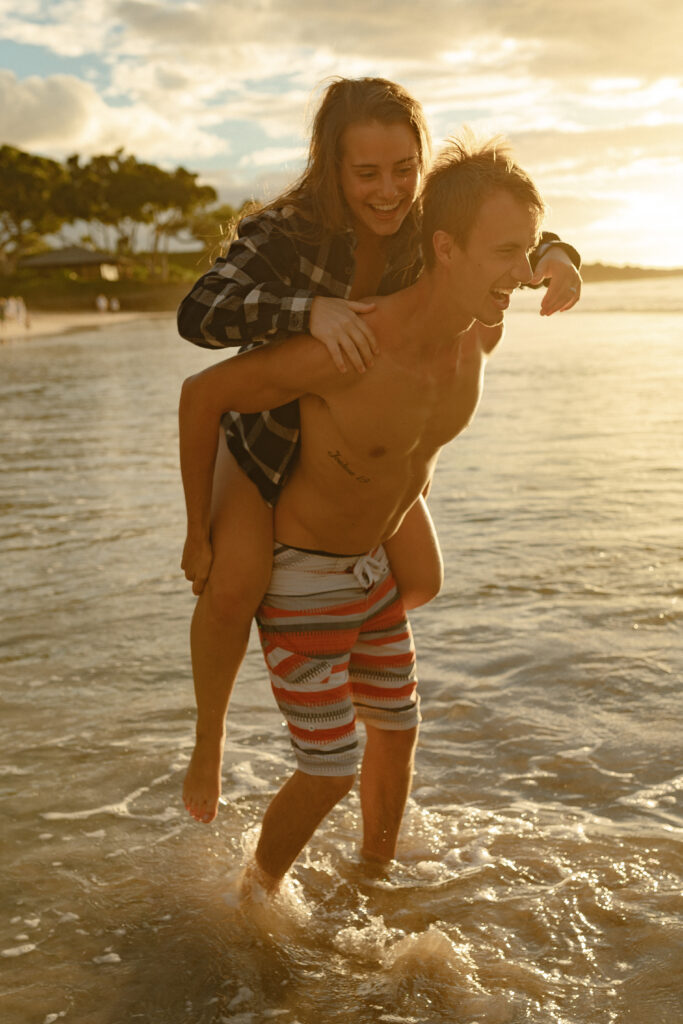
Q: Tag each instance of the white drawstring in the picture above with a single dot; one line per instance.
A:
(370, 568)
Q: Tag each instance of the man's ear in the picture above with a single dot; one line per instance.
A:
(444, 246)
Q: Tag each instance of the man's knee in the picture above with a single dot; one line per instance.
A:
(341, 785)
(396, 745)
(326, 790)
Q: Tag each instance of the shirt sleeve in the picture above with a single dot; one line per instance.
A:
(248, 295)
(549, 239)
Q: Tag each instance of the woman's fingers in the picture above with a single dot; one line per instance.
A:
(344, 333)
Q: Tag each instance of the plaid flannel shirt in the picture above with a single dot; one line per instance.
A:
(262, 289)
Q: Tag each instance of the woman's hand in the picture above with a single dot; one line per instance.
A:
(336, 323)
(564, 289)
(196, 561)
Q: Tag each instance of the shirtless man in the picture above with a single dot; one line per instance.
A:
(333, 629)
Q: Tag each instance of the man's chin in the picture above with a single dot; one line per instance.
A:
(492, 319)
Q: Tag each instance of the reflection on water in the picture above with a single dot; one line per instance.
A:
(540, 861)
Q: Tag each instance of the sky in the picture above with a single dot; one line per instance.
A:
(589, 92)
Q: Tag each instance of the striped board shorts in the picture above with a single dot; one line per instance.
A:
(338, 647)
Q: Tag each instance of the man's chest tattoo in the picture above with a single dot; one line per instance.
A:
(337, 457)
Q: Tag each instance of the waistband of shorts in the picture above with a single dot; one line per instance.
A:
(291, 565)
(285, 555)
(315, 551)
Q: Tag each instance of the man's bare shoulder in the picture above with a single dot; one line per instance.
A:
(387, 319)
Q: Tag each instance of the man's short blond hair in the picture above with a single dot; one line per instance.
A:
(464, 174)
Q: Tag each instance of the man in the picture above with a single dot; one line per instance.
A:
(333, 629)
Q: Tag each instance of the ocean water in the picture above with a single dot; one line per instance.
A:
(540, 864)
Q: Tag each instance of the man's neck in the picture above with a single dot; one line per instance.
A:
(427, 315)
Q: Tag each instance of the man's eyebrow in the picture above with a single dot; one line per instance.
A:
(512, 243)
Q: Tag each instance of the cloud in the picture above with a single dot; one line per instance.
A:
(275, 156)
(301, 39)
(584, 38)
(69, 28)
(588, 92)
(40, 111)
(63, 114)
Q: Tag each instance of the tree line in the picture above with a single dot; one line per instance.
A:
(112, 201)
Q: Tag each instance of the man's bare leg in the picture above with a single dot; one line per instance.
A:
(386, 778)
(291, 819)
(242, 541)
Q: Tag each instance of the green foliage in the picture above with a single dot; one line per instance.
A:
(114, 194)
(28, 208)
(179, 198)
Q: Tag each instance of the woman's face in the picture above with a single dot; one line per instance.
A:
(379, 175)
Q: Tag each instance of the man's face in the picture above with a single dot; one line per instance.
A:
(495, 259)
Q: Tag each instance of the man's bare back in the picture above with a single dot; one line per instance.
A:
(369, 443)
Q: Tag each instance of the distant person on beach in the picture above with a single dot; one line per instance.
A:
(350, 227)
(332, 623)
(14, 309)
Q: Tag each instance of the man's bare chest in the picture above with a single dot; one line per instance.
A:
(397, 412)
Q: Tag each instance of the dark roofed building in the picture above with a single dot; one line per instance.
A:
(73, 257)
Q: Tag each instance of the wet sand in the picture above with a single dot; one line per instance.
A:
(43, 325)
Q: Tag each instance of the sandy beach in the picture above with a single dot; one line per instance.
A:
(43, 325)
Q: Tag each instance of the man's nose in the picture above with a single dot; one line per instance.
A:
(523, 269)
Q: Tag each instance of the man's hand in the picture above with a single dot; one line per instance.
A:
(336, 323)
(564, 289)
(196, 561)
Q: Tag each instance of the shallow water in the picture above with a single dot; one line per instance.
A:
(540, 861)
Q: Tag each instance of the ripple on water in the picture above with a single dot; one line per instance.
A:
(539, 873)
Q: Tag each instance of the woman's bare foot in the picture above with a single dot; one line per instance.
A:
(202, 785)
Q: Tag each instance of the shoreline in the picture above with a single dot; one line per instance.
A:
(47, 325)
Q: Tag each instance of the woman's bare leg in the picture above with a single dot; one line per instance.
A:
(415, 557)
(242, 543)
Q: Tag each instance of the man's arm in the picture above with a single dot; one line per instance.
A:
(251, 382)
